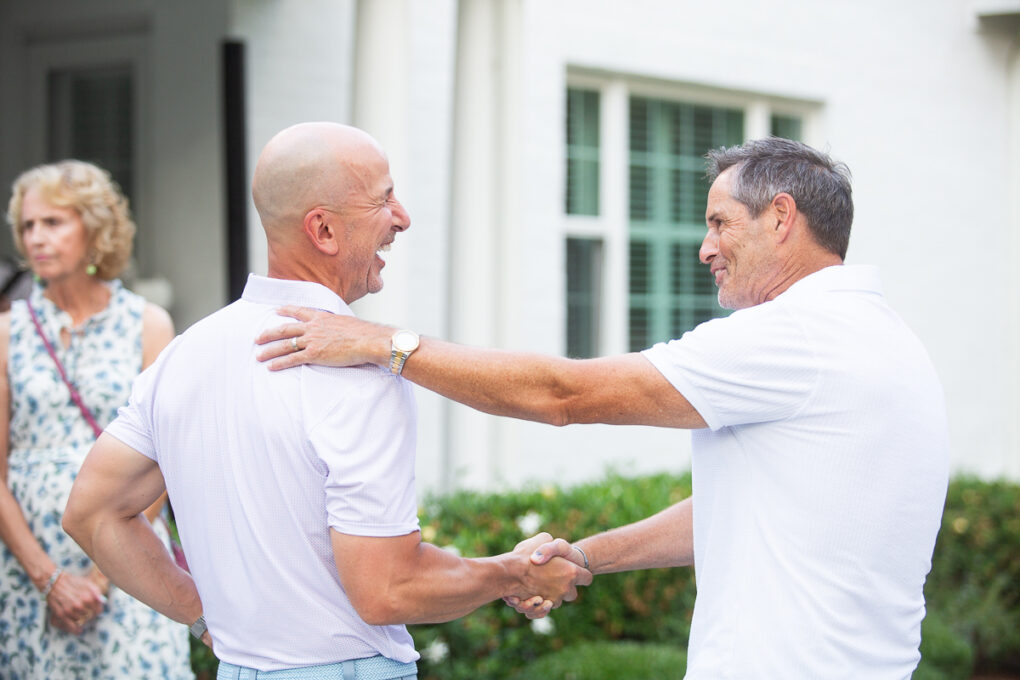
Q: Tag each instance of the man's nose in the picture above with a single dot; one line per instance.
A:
(400, 217)
(709, 248)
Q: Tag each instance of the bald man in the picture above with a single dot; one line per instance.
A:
(293, 491)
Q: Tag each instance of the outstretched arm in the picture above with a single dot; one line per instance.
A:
(104, 515)
(666, 539)
(403, 580)
(621, 390)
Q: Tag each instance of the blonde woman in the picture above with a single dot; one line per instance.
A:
(70, 353)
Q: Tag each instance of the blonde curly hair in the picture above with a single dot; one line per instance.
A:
(88, 190)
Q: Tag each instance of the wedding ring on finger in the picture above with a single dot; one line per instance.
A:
(293, 344)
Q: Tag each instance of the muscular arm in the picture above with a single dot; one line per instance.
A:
(157, 332)
(621, 390)
(104, 515)
(403, 580)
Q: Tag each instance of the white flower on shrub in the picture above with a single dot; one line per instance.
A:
(436, 651)
(544, 626)
(530, 523)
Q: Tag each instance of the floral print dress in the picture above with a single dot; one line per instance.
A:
(49, 438)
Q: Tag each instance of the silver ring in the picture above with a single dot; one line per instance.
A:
(293, 344)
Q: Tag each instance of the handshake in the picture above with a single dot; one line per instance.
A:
(551, 571)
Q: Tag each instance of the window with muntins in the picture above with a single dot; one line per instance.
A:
(91, 118)
(582, 152)
(670, 290)
(787, 127)
(584, 286)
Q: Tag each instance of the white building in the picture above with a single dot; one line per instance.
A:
(471, 99)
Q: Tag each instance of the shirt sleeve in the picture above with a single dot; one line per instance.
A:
(367, 443)
(750, 367)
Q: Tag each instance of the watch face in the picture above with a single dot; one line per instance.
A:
(405, 341)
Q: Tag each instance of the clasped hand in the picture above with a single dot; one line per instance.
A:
(76, 600)
(551, 576)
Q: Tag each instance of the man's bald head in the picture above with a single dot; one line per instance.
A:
(304, 166)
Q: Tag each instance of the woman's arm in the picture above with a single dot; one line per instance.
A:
(72, 599)
(157, 332)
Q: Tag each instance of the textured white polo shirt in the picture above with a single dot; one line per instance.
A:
(818, 487)
(259, 465)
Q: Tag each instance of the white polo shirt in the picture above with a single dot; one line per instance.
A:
(259, 465)
(819, 487)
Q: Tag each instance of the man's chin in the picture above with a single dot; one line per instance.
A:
(726, 303)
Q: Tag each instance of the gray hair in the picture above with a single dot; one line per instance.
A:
(819, 185)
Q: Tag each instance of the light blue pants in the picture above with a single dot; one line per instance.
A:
(371, 668)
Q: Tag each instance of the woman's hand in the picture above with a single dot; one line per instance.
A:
(73, 602)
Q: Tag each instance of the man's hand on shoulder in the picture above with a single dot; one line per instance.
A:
(319, 337)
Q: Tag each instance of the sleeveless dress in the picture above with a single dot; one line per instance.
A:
(49, 439)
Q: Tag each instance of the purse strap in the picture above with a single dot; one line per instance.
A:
(75, 397)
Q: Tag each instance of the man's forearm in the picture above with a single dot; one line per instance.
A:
(402, 580)
(131, 555)
(662, 540)
(620, 390)
(514, 384)
(447, 589)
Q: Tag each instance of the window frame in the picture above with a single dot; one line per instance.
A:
(118, 50)
(612, 224)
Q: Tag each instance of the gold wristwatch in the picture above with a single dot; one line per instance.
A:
(402, 344)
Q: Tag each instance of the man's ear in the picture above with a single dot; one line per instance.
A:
(784, 208)
(321, 232)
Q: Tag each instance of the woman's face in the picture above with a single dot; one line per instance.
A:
(55, 239)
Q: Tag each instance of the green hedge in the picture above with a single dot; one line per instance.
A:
(648, 606)
(945, 653)
(608, 661)
(974, 585)
(973, 620)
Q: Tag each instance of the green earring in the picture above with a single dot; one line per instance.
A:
(90, 270)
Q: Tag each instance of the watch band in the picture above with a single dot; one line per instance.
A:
(397, 359)
(198, 628)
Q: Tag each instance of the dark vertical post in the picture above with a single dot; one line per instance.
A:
(235, 136)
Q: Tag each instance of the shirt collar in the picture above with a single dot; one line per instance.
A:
(856, 277)
(279, 292)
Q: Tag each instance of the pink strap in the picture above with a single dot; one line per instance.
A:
(75, 397)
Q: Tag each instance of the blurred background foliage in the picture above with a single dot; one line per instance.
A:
(635, 625)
